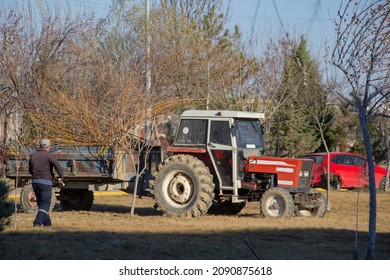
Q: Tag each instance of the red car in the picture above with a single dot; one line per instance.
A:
(346, 169)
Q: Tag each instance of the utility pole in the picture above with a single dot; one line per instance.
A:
(148, 122)
(148, 78)
(147, 49)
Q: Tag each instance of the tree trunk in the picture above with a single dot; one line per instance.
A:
(5, 127)
(371, 182)
(328, 188)
(132, 209)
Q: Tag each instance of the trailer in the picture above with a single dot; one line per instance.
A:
(86, 169)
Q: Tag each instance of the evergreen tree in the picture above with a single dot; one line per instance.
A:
(5, 206)
(298, 135)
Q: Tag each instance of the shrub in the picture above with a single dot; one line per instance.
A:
(5, 205)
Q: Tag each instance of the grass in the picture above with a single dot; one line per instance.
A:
(108, 231)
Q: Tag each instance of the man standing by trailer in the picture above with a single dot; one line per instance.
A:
(41, 166)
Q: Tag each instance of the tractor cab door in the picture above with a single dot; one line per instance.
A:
(222, 154)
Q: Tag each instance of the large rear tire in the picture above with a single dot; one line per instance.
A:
(28, 200)
(317, 212)
(277, 203)
(75, 199)
(183, 187)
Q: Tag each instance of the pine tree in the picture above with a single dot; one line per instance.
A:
(298, 135)
(5, 206)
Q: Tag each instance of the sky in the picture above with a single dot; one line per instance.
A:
(264, 18)
(257, 19)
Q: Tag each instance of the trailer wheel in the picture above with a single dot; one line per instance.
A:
(277, 203)
(183, 187)
(317, 212)
(226, 208)
(74, 199)
(29, 202)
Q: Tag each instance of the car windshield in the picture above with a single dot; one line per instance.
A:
(318, 159)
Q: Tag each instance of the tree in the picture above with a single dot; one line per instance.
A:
(31, 59)
(362, 54)
(300, 79)
(65, 86)
(315, 105)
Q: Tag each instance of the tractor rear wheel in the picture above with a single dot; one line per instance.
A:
(29, 202)
(277, 203)
(183, 187)
(317, 212)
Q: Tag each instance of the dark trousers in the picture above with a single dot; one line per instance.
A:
(43, 194)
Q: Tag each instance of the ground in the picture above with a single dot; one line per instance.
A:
(108, 231)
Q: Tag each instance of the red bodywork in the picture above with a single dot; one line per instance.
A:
(350, 171)
(288, 170)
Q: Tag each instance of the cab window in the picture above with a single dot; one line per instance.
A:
(220, 133)
(192, 132)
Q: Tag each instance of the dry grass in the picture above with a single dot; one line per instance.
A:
(108, 232)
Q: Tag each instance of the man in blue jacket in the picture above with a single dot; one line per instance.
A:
(41, 166)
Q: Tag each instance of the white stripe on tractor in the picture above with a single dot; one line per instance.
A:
(288, 183)
(272, 162)
(287, 170)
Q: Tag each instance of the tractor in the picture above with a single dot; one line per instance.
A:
(217, 164)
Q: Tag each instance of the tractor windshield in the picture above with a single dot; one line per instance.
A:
(249, 134)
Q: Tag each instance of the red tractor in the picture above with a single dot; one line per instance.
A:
(217, 165)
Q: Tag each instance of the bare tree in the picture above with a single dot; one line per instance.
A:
(64, 86)
(362, 54)
(12, 62)
(315, 104)
(31, 58)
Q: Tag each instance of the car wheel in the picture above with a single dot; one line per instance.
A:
(336, 184)
(382, 184)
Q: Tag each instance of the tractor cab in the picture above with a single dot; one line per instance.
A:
(221, 139)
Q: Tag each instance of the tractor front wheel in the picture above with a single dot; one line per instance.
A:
(317, 212)
(277, 203)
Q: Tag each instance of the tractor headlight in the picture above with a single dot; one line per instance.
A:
(304, 174)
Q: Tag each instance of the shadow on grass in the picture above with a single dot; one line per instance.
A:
(289, 244)
(140, 211)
